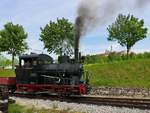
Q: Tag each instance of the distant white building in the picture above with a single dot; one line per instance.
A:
(8, 67)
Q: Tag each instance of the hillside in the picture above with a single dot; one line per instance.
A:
(132, 73)
(7, 73)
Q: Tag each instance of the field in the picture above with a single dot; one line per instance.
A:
(7, 73)
(130, 73)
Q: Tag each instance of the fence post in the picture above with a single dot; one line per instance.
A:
(4, 95)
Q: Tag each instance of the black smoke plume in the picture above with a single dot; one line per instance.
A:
(91, 13)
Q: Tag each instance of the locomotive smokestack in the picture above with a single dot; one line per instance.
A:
(78, 27)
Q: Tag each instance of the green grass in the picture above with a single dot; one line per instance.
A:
(7, 73)
(131, 73)
(15, 108)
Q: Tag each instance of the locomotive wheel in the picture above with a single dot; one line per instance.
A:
(12, 89)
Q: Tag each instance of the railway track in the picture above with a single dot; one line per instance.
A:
(140, 103)
(115, 101)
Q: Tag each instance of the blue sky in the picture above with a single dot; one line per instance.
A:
(33, 14)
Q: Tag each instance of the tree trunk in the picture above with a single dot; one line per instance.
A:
(61, 52)
(128, 52)
(13, 56)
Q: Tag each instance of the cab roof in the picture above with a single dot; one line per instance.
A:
(34, 56)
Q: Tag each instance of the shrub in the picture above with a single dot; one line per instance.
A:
(114, 57)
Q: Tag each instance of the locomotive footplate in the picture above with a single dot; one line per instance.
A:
(59, 89)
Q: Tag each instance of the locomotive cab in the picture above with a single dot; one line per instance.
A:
(29, 61)
(26, 72)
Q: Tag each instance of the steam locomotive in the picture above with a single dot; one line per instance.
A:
(37, 73)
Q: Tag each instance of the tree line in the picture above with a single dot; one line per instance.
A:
(58, 36)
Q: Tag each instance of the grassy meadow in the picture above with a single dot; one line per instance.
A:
(7, 73)
(129, 73)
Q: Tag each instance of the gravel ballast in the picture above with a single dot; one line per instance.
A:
(48, 104)
(114, 91)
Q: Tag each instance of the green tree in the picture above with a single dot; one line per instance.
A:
(58, 37)
(127, 30)
(12, 40)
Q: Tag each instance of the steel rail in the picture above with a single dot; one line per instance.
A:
(140, 103)
(112, 101)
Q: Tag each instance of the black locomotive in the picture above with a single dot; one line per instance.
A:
(38, 73)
